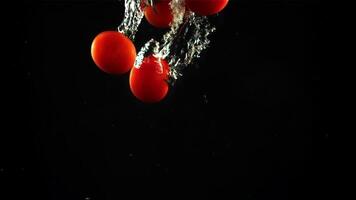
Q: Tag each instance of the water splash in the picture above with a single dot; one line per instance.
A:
(178, 12)
(132, 18)
(151, 47)
(180, 46)
(186, 40)
(191, 40)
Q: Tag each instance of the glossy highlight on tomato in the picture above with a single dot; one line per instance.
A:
(148, 82)
(113, 52)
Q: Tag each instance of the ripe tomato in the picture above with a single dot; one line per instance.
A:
(113, 52)
(160, 14)
(206, 7)
(148, 82)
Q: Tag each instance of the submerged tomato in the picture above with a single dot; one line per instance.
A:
(148, 82)
(113, 52)
(206, 7)
(159, 15)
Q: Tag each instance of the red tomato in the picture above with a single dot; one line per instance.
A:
(148, 82)
(160, 15)
(113, 52)
(206, 7)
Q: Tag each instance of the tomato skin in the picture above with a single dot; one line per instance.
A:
(206, 7)
(148, 82)
(113, 52)
(161, 16)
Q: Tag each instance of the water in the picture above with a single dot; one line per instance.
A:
(132, 18)
(180, 46)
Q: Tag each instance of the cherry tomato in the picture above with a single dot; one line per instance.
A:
(160, 14)
(148, 82)
(113, 52)
(206, 7)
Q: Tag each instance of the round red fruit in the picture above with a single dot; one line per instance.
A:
(113, 52)
(206, 7)
(160, 14)
(148, 82)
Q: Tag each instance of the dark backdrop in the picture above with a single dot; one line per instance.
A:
(244, 122)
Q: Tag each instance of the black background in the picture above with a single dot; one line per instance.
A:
(244, 122)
